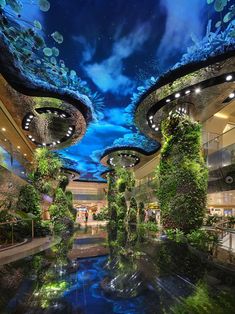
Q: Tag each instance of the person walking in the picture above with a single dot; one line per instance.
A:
(86, 216)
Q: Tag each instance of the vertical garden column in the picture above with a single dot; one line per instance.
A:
(112, 211)
(182, 174)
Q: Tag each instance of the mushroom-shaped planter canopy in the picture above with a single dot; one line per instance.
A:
(71, 174)
(126, 157)
(198, 89)
(45, 121)
(34, 69)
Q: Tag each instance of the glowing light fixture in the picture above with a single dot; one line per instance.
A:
(197, 90)
(231, 95)
(168, 100)
(177, 95)
(220, 115)
(229, 77)
(187, 92)
(3, 129)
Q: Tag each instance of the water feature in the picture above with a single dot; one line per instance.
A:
(163, 277)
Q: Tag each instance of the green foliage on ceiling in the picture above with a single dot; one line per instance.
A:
(182, 174)
(226, 10)
(34, 58)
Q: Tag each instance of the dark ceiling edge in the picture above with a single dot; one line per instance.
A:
(19, 81)
(172, 75)
(205, 84)
(136, 149)
(70, 169)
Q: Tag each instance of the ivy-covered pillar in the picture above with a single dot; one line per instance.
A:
(112, 210)
(131, 222)
(182, 174)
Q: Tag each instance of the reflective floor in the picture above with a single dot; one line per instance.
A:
(161, 277)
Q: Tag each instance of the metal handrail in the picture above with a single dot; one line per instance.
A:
(14, 222)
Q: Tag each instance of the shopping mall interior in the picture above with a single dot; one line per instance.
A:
(117, 156)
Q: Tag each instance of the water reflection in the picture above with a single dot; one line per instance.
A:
(159, 277)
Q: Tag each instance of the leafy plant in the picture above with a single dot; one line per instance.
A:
(176, 235)
(203, 302)
(61, 216)
(182, 174)
(212, 219)
(203, 240)
(102, 215)
(29, 201)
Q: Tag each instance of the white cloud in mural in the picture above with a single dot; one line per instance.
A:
(183, 20)
(108, 74)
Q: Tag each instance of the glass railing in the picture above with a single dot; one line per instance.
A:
(12, 159)
(220, 151)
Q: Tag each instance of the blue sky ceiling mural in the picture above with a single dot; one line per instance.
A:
(105, 55)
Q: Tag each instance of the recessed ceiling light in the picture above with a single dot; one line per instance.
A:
(5, 139)
(168, 100)
(31, 116)
(156, 129)
(18, 147)
(33, 139)
(22, 172)
(197, 90)
(30, 136)
(3, 129)
(151, 117)
(25, 155)
(67, 135)
(187, 92)
(231, 95)
(26, 127)
(28, 120)
(177, 95)
(154, 125)
(44, 144)
(58, 142)
(229, 77)
(70, 128)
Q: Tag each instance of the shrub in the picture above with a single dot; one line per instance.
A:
(212, 219)
(102, 215)
(29, 201)
(203, 240)
(61, 216)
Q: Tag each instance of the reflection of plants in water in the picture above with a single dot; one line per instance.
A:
(170, 257)
(50, 281)
(50, 291)
(203, 302)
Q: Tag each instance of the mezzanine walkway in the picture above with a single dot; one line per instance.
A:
(35, 246)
